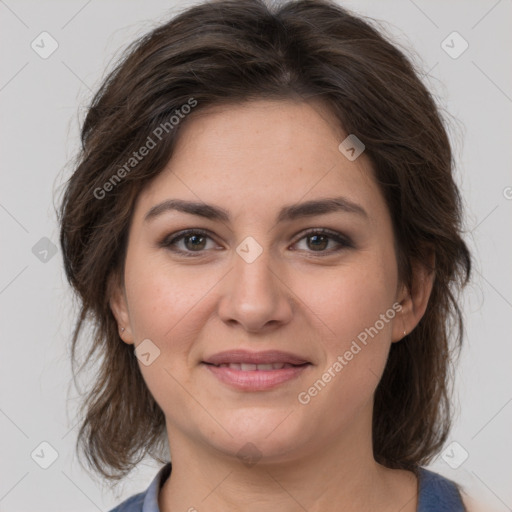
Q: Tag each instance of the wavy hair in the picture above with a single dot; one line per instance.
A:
(227, 52)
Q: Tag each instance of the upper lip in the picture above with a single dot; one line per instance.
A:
(265, 357)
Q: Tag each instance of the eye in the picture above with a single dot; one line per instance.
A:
(194, 242)
(320, 238)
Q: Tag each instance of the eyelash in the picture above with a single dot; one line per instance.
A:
(170, 240)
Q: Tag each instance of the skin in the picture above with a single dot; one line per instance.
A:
(297, 296)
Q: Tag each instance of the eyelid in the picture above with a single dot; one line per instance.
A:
(342, 240)
(335, 235)
(169, 240)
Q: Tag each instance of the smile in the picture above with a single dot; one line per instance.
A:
(250, 367)
(250, 377)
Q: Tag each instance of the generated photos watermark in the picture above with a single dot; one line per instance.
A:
(151, 142)
(335, 368)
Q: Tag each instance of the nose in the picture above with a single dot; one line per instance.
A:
(255, 295)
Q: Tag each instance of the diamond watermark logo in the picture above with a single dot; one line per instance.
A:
(454, 45)
(249, 454)
(454, 455)
(351, 147)
(44, 45)
(44, 250)
(44, 455)
(249, 250)
(146, 352)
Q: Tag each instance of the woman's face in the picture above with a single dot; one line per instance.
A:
(253, 279)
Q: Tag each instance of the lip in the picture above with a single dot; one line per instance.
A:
(264, 357)
(255, 380)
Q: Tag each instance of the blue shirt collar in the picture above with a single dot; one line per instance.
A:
(150, 503)
(435, 492)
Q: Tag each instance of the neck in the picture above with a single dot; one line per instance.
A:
(327, 475)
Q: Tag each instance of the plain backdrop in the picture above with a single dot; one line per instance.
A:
(42, 101)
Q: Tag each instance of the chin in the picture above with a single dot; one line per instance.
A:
(260, 436)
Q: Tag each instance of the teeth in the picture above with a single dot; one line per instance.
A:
(269, 366)
(250, 367)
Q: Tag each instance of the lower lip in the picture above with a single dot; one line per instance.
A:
(255, 380)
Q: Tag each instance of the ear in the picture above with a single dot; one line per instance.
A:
(414, 301)
(119, 306)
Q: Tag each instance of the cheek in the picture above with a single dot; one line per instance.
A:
(355, 308)
(169, 306)
(160, 295)
(162, 303)
(356, 354)
(347, 300)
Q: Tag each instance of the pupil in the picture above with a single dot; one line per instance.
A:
(317, 237)
(194, 237)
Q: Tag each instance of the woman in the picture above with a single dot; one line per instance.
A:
(264, 228)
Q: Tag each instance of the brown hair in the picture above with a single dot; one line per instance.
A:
(232, 51)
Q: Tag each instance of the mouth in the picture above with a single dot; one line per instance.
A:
(250, 367)
(251, 360)
(255, 371)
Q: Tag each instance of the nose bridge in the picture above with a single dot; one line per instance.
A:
(253, 270)
(254, 294)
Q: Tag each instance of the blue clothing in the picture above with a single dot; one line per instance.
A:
(436, 494)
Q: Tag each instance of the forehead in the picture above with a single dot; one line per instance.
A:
(262, 154)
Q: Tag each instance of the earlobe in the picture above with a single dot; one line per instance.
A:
(400, 330)
(119, 307)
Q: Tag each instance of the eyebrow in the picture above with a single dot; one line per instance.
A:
(287, 213)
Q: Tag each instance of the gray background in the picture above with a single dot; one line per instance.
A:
(41, 101)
